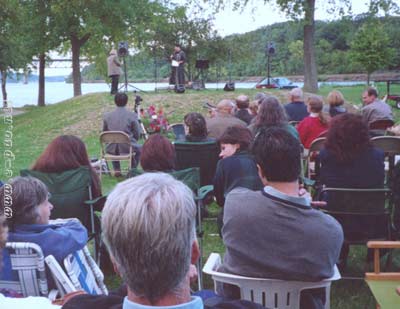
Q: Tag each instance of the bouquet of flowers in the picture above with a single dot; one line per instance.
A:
(154, 120)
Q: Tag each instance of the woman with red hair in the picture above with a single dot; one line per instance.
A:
(158, 154)
(64, 153)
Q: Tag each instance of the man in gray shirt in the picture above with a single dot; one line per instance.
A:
(121, 119)
(374, 109)
(274, 233)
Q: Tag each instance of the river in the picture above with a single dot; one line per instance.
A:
(20, 94)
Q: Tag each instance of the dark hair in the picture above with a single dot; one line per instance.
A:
(348, 137)
(158, 154)
(372, 92)
(316, 104)
(242, 102)
(277, 153)
(120, 99)
(237, 135)
(25, 195)
(64, 153)
(196, 123)
(270, 113)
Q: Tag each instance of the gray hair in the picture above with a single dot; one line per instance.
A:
(296, 93)
(271, 113)
(149, 228)
(260, 96)
(26, 194)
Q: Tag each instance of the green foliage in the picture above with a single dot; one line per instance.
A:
(370, 47)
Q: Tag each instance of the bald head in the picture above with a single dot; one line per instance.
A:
(296, 94)
(225, 107)
(242, 101)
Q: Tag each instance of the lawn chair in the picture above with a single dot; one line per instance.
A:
(313, 166)
(116, 137)
(191, 178)
(71, 196)
(59, 275)
(364, 214)
(84, 272)
(271, 293)
(28, 261)
(383, 285)
(391, 147)
(203, 155)
(379, 127)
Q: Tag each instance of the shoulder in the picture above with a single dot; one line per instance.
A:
(240, 193)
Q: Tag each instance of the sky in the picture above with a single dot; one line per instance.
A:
(256, 15)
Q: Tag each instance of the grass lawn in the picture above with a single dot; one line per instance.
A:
(82, 116)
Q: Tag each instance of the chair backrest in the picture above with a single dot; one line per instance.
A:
(64, 284)
(381, 124)
(364, 214)
(69, 191)
(203, 155)
(271, 293)
(179, 130)
(114, 137)
(383, 284)
(28, 261)
(391, 147)
(313, 165)
(84, 272)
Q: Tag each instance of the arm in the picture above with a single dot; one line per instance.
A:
(116, 61)
(105, 126)
(219, 185)
(135, 129)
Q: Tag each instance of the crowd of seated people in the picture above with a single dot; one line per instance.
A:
(267, 219)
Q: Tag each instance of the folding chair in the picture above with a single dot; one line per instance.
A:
(391, 147)
(271, 293)
(60, 278)
(364, 214)
(312, 169)
(379, 127)
(203, 155)
(27, 261)
(71, 196)
(109, 139)
(383, 285)
(84, 272)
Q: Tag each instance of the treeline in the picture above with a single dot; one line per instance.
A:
(332, 47)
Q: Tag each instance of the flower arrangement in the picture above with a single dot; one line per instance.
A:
(154, 119)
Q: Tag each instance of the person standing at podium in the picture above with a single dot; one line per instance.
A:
(178, 59)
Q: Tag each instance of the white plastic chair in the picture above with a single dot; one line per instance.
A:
(84, 272)
(271, 293)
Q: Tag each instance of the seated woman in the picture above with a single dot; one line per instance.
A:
(8, 297)
(348, 159)
(237, 167)
(158, 154)
(271, 114)
(312, 126)
(196, 128)
(336, 100)
(30, 223)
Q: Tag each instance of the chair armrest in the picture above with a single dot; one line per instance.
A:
(380, 244)
(203, 191)
(213, 260)
(97, 199)
(307, 181)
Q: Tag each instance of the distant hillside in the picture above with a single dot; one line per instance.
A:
(332, 44)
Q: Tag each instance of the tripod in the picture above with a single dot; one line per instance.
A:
(138, 99)
(126, 84)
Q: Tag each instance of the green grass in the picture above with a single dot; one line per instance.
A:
(82, 116)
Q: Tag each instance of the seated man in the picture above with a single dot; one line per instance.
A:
(242, 112)
(223, 119)
(274, 233)
(121, 119)
(374, 109)
(296, 109)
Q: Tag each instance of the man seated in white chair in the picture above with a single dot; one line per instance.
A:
(274, 233)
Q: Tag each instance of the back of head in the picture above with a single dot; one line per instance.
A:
(277, 153)
(158, 154)
(25, 194)
(371, 91)
(259, 97)
(237, 135)
(242, 101)
(149, 228)
(196, 124)
(315, 103)
(348, 137)
(335, 98)
(64, 153)
(225, 107)
(296, 94)
(120, 99)
(271, 113)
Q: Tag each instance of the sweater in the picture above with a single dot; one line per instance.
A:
(309, 129)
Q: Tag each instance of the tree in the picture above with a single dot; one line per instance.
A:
(304, 10)
(370, 48)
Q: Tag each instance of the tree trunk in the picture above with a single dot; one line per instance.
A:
(3, 87)
(310, 66)
(76, 69)
(368, 78)
(41, 95)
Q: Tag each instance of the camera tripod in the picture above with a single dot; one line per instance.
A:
(126, 84)
(139, 99)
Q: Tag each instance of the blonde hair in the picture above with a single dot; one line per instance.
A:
(316, 104)
(253, 107)
(335, 98)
